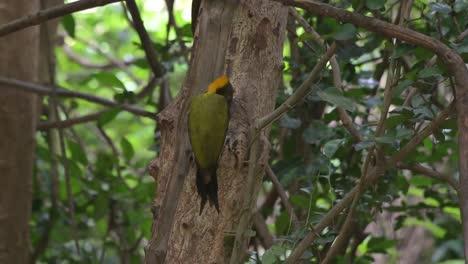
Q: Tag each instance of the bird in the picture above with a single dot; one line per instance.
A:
(208, 121)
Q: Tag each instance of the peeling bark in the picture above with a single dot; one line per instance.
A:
(243, 39)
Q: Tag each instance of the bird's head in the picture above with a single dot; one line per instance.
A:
(221, 86)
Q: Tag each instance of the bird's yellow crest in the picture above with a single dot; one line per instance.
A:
(217, 84)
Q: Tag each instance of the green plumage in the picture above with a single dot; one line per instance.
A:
(208, 122)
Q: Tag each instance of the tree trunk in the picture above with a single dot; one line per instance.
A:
(243, 39)
(18, 116)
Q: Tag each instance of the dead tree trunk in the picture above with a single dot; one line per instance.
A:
(243, 39)
(18, 115)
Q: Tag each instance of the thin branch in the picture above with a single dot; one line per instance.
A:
(63, 152)
(46, 125)
(262, 230)
(242, 231)
(336, 73)
(45, 90)
(282, 194)
(463, 35)
(146, 43)
(342, 240)
(115, 153)
(89, 64)
(424, 133)
(51, 13)
(430, 173)
(306, 87)
(114, 61)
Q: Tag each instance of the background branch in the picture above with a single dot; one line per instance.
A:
(44, 90)
(51, 13)
(146, 43)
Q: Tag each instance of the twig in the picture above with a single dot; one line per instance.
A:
(46, 125)
(262, 230)
(463, 35)
(45, 90)
(148, 88)
(430, 173)
(146, 43)
(51, 13)
(66, 170)
(89, 64)
(242, 232)
(118, 63)
(282, 194)
(418, 138)
(115, 153)
(305, 88)
(336, 73)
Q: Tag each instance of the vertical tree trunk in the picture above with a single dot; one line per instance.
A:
(243, 39)
(18, 115)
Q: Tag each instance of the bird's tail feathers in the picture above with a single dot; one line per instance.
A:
(207, 187)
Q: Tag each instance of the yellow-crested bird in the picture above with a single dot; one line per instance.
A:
(208, 121)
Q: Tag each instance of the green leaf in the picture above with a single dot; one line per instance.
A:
(429, 72)
(380, 244)
(185, 31)
(127, 149)
(385, 139)
(438, 7)
(142, 63)
(289, 122)
(436, 230)
(108, 116)
(460, 6)
(75, 173)
(68, 23)
(272, 255)
(345, 31)
(104, 164)
(404, 133)
(333, 96)
(107, 79)
(401, 87)
(77, 152)
(375, 4)
(316, 132)
(332, 146)
(395, 120)
(364, 144)
(402, 49)
(305, 36)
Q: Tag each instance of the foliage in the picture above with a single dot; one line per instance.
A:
(315, 157)
(107, 158)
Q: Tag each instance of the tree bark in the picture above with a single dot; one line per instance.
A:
(18, 116)
(243, 39)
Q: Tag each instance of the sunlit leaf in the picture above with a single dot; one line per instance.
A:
(108, 116)
(77, 152)
(127, 149)
(68, 23)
